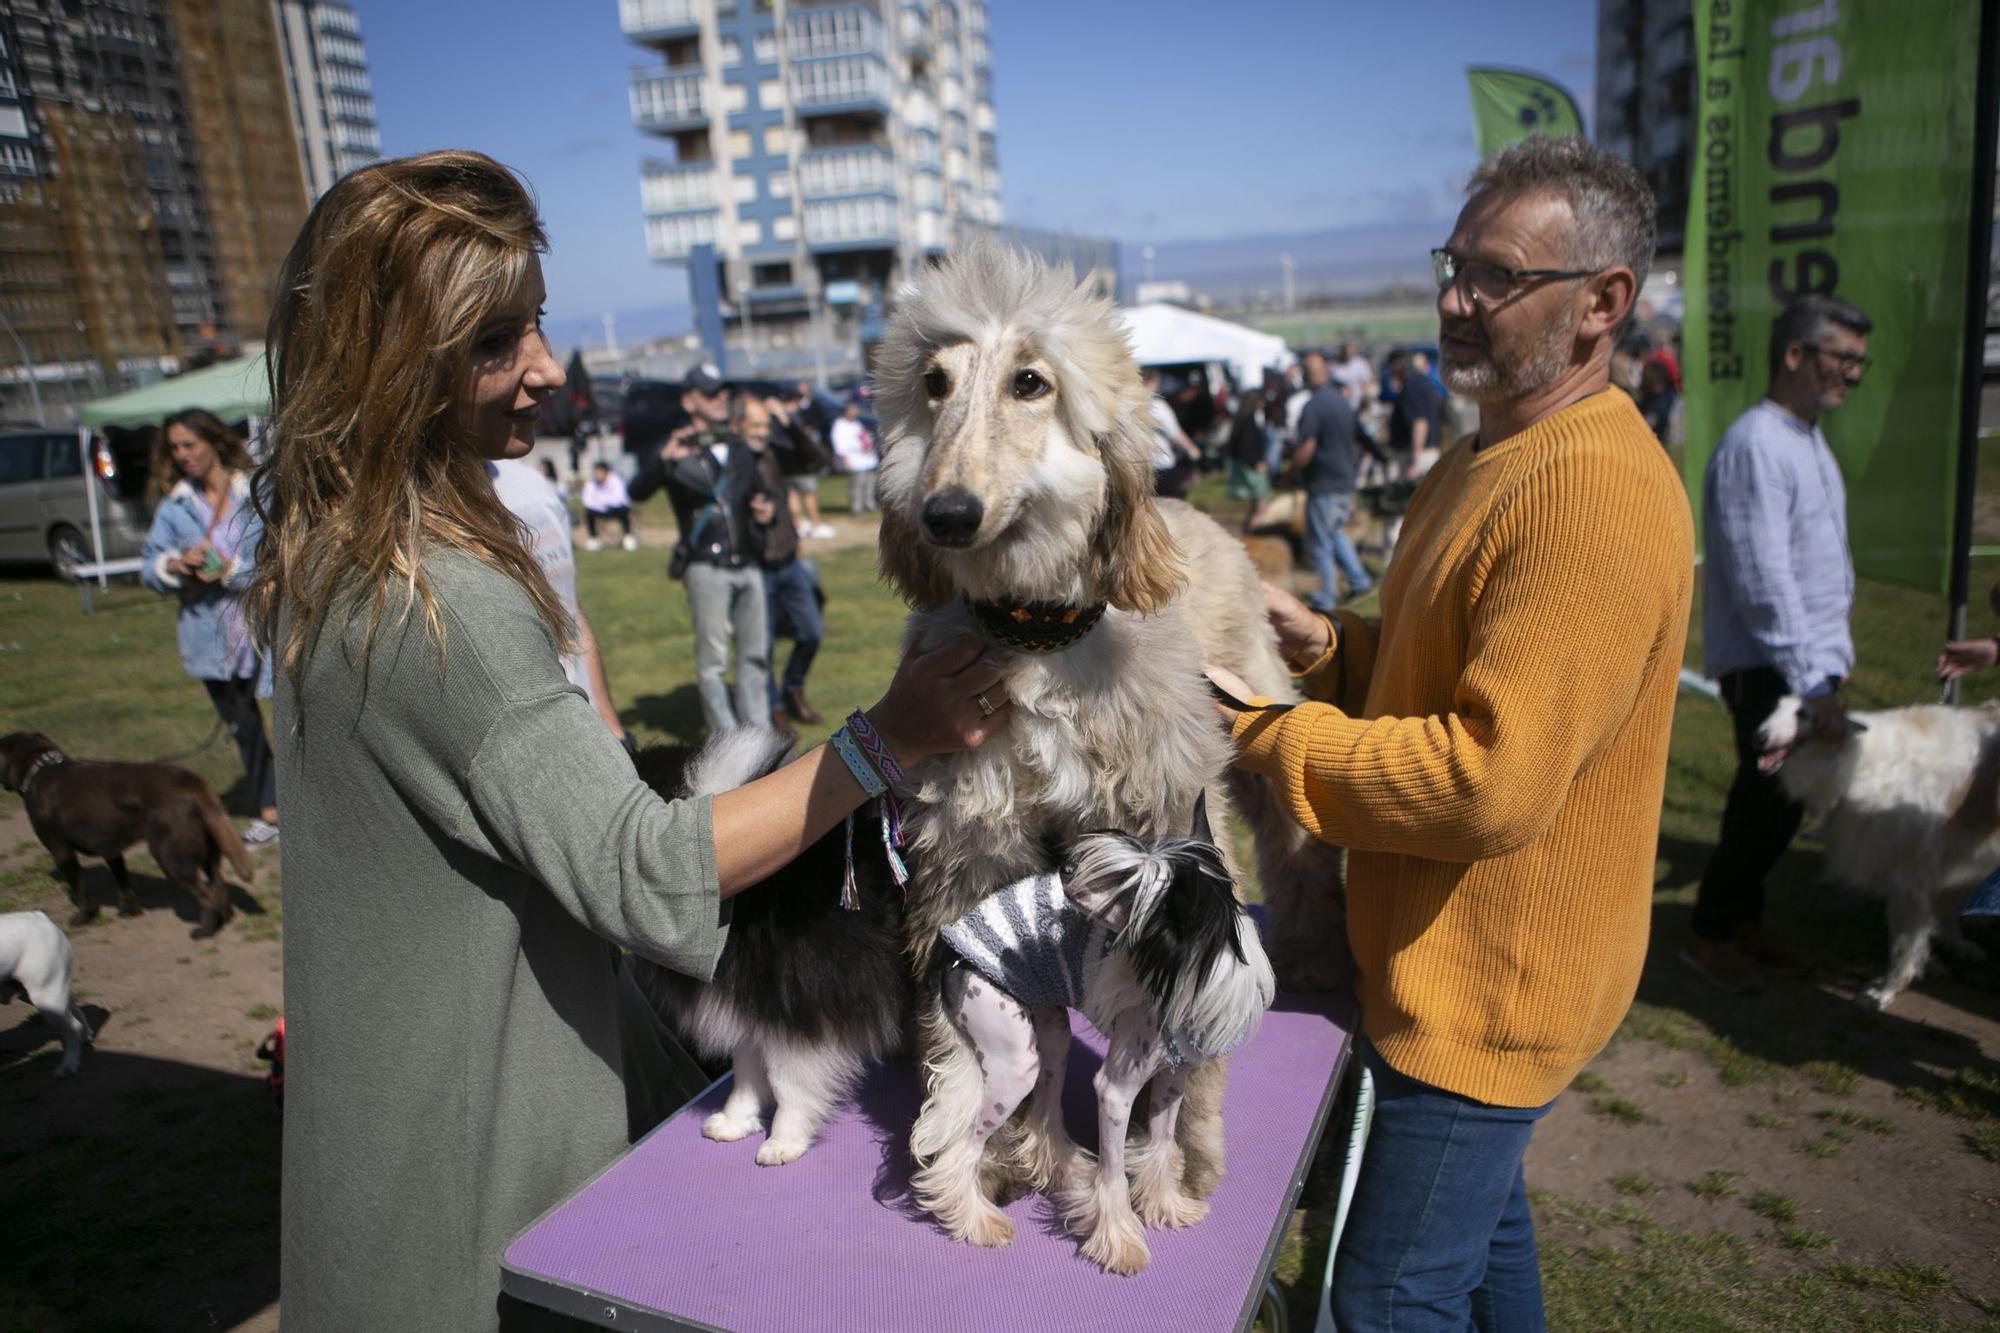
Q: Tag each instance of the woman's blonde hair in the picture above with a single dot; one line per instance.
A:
(378, 306)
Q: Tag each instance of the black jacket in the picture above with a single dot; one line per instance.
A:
(711, 499)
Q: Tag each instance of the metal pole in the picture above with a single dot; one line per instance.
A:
(90, 485)
(1978, 273)
(27, 364)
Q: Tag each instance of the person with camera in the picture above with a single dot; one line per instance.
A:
(711, 476)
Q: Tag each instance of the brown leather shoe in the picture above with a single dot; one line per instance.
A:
(782, 724)
(1722, 964)
(1772, 956)
(800, 710)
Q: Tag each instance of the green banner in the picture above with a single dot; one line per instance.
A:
(1509, 105)
(1834, 154)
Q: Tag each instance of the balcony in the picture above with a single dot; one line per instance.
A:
(835, 30)
(671, 237)
(652, 20)
(664, 102)
(845, 83)
(828, 173)
(864, 223)
(666, 187)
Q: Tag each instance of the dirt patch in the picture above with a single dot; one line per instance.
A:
(160, 1159)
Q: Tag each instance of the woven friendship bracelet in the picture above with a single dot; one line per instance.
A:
(877, 749)
(864, 772)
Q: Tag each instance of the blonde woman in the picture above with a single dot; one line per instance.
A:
(464, 840)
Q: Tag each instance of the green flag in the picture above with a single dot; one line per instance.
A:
(1835, 155)
(1509, 106)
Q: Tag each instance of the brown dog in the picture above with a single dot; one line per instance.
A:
(100, 809)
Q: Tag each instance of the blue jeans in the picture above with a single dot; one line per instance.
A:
(1439, 1236)
(788, 594)
(1327, 546)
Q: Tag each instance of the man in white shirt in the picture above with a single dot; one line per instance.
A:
(854, 449)
(1355, 377)
(527, 495)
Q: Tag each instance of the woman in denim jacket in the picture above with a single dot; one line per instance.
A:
(202, 548)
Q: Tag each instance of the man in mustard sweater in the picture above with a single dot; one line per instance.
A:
(1493, 752)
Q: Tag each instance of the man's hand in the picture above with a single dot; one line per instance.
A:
(1303, 636)
(1232, 684)
(1967, 656)
(677, 446)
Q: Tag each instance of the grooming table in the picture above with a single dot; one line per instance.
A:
(682, 1233)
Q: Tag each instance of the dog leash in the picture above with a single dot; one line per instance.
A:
(215, 735)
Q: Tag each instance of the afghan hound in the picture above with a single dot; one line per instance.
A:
(1017, 502)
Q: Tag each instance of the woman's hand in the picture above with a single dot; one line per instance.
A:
(189, 562)
(1303, 636)
(934, 704)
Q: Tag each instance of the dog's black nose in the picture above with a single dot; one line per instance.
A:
(951, 517)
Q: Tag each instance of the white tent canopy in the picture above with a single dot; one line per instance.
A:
(1167, 335)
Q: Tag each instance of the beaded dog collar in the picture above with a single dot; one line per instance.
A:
(1037, 627)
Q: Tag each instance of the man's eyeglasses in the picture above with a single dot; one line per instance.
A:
(1490, 284)
(1846, 361)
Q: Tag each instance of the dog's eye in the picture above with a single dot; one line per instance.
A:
(1027, 384)
(936, 383)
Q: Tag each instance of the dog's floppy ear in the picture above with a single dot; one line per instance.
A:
(1135, 564)
(906, 561)
(17, 750)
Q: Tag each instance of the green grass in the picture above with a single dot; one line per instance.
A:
(1985, 1140)
(1670, 1078)
(1913, 1282)
(1772, 1206)
(1795, 1238)
(1831, 1077)
(1827, 1145)
(1766, 1120)
(1622, 1109)
(1849, 1118)
(1715, 1185)
(1589, 1082)
(1634, 1185)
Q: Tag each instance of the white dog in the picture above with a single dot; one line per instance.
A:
(37, 959)
(1908, 804)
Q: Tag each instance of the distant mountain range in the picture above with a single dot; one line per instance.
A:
(1337, 261)
(1343, 261)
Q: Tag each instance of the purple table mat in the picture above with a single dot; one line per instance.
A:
(696, 1233)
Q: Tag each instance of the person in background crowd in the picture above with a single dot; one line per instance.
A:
(202, 548)
(579, 440)
(791, 584)
(1249, 452)
(710, 475)
(808, 415)
(547, 467)
(467, 849)
(854, 451)
(1173, 451)
(1355, 376)
(544, 516)
(605, 498)
(1328, 460)
(1415, 419)
(1777, 592)
(1658, 401)
(1493, 751)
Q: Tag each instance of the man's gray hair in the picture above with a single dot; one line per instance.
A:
(1806, 320)
(1610, 202)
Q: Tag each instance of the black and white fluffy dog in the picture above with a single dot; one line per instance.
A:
(1148, 942)
(807, 993)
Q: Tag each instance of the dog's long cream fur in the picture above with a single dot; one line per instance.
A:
(1908, 807)
(1115, 731)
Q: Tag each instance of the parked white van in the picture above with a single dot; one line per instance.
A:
(45, 511)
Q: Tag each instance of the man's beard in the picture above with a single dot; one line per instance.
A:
(1487, 379)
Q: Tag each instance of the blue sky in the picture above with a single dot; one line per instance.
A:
(1147, 120)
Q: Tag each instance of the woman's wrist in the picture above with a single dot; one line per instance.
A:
(901, 748)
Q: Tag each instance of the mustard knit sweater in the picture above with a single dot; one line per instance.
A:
(1493, 755)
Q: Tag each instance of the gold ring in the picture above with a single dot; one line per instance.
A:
(986, 708)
